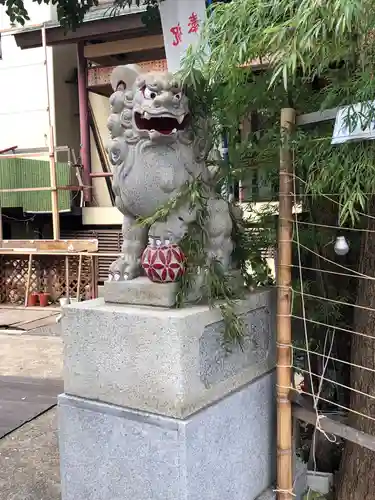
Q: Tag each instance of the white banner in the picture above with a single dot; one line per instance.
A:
(182, 22)
(364, 128)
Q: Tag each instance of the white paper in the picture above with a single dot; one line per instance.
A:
(182, 22)
(361, 132)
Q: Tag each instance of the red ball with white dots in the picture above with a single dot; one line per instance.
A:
(164, 263)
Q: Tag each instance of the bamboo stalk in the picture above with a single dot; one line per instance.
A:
(28, 279)
(284, 332)
(24, 190)
(79, 276)
(33, 189)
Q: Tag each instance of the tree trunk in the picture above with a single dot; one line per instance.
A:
(357, 472)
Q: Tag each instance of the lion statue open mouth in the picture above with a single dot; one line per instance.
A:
(164, 124)
(153, 156)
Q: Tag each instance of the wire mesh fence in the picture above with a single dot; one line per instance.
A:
(326, 273)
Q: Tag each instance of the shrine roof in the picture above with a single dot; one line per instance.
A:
(99, 23)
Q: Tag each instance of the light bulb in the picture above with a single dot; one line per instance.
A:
(341, 246)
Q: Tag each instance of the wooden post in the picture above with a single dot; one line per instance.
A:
(29, 269)
(51, 148)
(67, 291)
(94, 277)
(284, 332)
(79, 277)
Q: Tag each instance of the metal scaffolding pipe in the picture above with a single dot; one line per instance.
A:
(84, 123)
(51, 149)
(101, 174)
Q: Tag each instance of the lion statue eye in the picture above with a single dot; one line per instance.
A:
(149, 94)
(178, 96)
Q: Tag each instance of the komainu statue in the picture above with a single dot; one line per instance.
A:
(153, 155)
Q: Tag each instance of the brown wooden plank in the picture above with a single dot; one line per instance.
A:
(123, 46)
(123, 26)
(89, 245)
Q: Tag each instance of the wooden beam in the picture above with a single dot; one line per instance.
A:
(123, 46)
(28, 251)
(100, 77)
(48, 245)
(35, 189)
(121, 25)
(317, 116)
(336, 428)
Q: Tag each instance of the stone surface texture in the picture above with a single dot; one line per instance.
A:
(269, 494)
(224, 452)
(29, 457)
(143, 292)
(169, 362)
(29, 461)
(140, 291)
(31, 356)
(154, 156)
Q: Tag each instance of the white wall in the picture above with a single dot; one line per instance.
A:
(23, 89)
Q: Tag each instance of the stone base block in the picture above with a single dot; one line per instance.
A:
(165, 361)
(143, 292)
(224, 452)
(140, 291)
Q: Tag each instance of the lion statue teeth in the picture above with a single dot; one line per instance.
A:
(153, 155)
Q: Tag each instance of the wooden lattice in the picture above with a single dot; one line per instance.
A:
(101, 75)
(48, 274)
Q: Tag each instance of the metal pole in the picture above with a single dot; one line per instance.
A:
(51, 148)
(284, 330)
(84, 123)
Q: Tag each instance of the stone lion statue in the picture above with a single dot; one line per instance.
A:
(153, 155)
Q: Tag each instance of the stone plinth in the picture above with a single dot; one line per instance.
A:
(155, 409)
(224, 452)
(140, 291)
(165, 361)
(143, 292)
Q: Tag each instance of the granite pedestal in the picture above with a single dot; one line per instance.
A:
(224, 452)
(155, 408)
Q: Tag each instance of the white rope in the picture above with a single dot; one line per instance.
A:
(316, 397)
